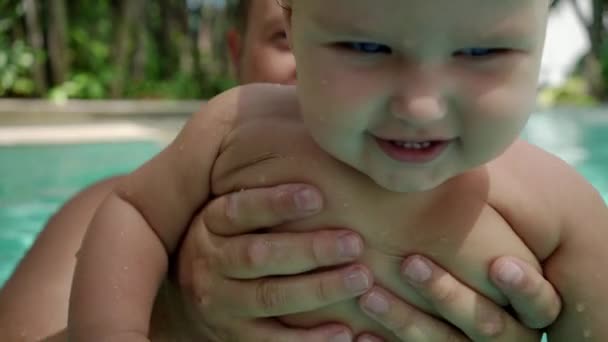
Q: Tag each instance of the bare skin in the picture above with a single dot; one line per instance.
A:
(529, 293)
(29, 312)
(262, 207)
(232, 171)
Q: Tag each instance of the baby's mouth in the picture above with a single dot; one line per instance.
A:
(410, 151)
(415, 145)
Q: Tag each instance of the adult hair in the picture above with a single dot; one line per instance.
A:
(239, 10)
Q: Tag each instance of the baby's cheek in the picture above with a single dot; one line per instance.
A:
(497, 116)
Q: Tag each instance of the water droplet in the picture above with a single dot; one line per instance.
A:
(181, 147)
(346, 205)
(580, 307)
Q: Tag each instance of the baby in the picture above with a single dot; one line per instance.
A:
(407, 115)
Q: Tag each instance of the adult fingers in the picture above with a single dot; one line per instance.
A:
(406, 322)
(530, 294)
(260, 255)
(269, 297)
(478, 317)
(252, 209)
(270, 330)
(368, 338)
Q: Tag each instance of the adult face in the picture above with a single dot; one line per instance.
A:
(261, 53)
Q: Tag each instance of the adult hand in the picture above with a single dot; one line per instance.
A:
(235, 282)
(468, 315)
(241, 279)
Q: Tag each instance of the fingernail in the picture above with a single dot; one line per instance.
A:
(341, 337)
(510, 274)
(417, 270)
(356, 281)
(349, 246)
(307, 200)
(376, 303)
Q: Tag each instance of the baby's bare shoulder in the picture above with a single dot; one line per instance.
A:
(538, 171)
(253, 101)
(253, 109)
(564, 220)
(537, 193)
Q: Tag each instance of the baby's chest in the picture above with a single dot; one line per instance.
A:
(457, 229)
(454, 225)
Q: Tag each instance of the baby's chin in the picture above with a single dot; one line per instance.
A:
(412, 187)
(410, 183)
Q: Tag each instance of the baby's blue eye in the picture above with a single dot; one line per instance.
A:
(365, 47)
(479, 52)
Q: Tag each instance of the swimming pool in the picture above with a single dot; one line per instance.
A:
(37, 179)
(578, 137)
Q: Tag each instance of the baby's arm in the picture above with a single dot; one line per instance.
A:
(578, 266)
(124, 255)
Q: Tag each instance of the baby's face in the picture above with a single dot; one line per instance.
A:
(414, 92)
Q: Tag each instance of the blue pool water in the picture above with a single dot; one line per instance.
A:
(36, 180)
(580, 138)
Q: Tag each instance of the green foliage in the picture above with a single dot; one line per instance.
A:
(80, 85)
(16, 58)
(182, 86)
(573, 92)
(90, 36)
(604, 62)
(158, 40)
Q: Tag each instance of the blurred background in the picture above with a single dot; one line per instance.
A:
(93, 49)
(175, 49)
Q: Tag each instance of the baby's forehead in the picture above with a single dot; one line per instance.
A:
(422, 16)
(388, 8)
